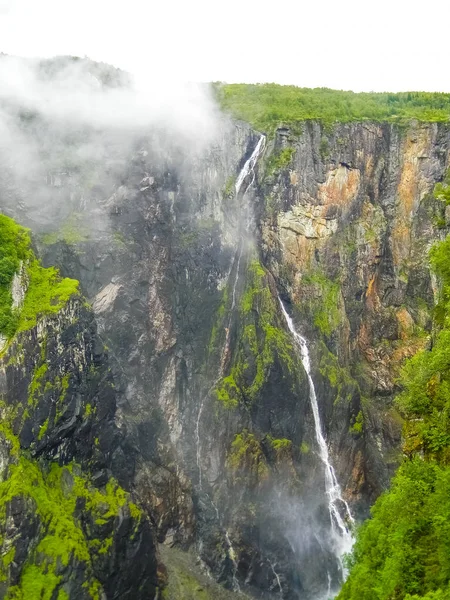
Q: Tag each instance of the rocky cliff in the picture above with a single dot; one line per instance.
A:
(68, 529)
(183, 273)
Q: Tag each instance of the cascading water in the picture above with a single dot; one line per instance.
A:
(246, 170)
(249, 166)
(341, 535)
(277, 577)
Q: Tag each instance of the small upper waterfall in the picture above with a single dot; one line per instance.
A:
(250, 164)
(340, 515)
(246, 170)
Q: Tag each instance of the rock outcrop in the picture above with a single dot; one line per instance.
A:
(68, 528)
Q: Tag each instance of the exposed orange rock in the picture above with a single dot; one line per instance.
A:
(353, 490)
(406, 323)
(411, 189)
(372, 299)
(294, 177)
(341, 186)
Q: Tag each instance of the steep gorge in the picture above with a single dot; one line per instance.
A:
(215, 434)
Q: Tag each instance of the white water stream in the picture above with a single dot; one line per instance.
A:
(341, 535)
(246, 170)
(250, 164)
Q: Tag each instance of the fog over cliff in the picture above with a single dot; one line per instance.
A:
(227, 272)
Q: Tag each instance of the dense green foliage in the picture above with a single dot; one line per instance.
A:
(266, 106)
(403, 551)
(46, 292)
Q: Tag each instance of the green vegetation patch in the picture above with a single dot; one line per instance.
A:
(55, 495)
(324, 305)
(403, 551)
(267, 106)
(339, 377)
(46, 292)
(279, 160)
(262, 343)
(246, 455)
(72, 231)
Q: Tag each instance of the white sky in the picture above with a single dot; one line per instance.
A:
(349, 44)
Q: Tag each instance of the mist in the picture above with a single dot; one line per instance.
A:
(79, 91)
(69, 129)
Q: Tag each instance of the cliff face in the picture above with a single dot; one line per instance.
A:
(68, 529)
(346, 232)
(183, 275)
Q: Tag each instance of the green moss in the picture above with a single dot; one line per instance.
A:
(219, 325)
(304, 448)
(135, 511)
(55, 494)
(43, 429)
(229, 188)
(246, 455)
(88, 410)
(72, 232)
(339, 377)
(279, 160)
(227, 392)
(119, 240)
(46, 292)
(262, 343)
(280, 444)
(6, 559)
(35, 584)
(357, 427)
(105, 546)
(325, 303)
(14, 250)
(37, 386)
(7, 416)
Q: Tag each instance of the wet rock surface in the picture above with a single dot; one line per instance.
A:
(67, 527)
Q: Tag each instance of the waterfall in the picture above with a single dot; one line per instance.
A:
(341, 534)
(250, 164)
(233, 304)
(277, 577)
(247, 169)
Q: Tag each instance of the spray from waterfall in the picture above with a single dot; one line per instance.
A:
(340, 516)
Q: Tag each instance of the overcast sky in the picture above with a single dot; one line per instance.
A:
(352, 44)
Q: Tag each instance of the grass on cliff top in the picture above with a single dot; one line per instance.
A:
(403, 551)
(46, 291)
(267, 106)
